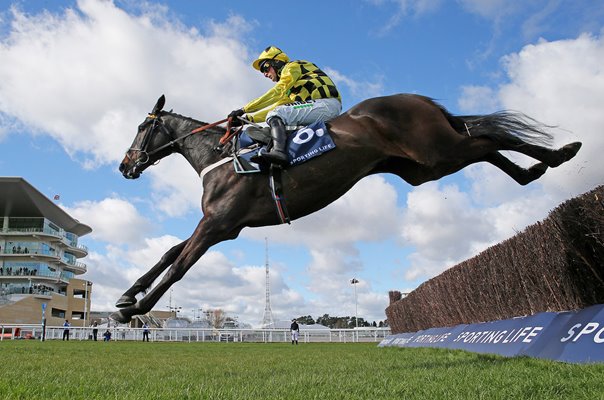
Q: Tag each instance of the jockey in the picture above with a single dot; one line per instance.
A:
(303, 94)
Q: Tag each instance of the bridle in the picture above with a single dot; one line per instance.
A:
(144, 155)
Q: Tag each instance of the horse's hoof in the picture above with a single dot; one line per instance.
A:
(534, 172)
(571, 149)
(119, 317)
(125, 301)
(568, 151)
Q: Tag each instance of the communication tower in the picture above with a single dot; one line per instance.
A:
(267, 319)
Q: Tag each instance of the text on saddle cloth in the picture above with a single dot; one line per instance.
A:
(303, 144)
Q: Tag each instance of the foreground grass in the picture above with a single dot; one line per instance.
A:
(127, 370)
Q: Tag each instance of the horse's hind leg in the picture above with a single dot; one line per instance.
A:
(521, 175)
(517, 132)
(464, 153)
(143, 283)
(551, 157)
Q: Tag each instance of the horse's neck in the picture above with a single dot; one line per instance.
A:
(197, 148)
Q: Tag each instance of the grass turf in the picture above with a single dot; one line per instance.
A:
(136, 370)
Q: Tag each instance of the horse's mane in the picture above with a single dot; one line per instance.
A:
(217, 130)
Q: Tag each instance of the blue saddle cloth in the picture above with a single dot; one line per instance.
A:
(302, 145)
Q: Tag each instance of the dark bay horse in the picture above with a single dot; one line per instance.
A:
(407, 135)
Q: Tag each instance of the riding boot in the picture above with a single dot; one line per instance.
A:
(277, 154)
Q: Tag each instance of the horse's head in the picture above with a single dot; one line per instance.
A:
(149, 144)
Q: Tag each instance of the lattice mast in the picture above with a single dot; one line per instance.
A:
(267, 319)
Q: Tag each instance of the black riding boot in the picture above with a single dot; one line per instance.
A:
(277, 154)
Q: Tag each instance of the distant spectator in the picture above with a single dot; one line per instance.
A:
(145, 332)
(66, 326)
(106, 336)
(95, 330)
(295, 328)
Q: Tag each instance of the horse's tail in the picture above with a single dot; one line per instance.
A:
(503, 126)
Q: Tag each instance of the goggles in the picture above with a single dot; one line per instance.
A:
(265, 66)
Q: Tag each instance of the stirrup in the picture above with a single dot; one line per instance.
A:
(275, 157)
(259, 156)
(271, 156)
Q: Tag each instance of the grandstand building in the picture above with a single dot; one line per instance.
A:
(39, 254)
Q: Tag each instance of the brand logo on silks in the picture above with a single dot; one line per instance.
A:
(309, 142)
(576, 336)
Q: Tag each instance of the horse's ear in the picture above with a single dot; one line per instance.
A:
(159, 105)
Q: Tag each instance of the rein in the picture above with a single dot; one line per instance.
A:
(200, 129)
(227, 136)
(144, 155)
(208, 126)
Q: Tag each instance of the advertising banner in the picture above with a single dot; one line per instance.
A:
(574, 336)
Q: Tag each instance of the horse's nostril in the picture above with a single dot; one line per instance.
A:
(122, 167)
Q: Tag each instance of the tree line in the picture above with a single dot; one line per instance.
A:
(339, 322)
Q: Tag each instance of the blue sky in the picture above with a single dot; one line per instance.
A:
(77, 77)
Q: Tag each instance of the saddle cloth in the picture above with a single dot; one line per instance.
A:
(302, 144)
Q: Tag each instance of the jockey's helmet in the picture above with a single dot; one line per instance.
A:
(271, 54)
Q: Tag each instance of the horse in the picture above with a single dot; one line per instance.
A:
(407, 135)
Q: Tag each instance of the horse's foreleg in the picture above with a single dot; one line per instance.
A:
(203, 238)
(143, 283)
(521, 175)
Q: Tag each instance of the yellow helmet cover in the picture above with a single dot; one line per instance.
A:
(270, 53)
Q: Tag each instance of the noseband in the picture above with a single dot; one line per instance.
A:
(143, 154)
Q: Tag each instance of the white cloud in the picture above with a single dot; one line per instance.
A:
(358, 88)
(356, 216)
(235, 27)
(177, 188)
(562, 83)
(478, 99)
(114, 270)
(112, 220)
(109, 280)
(444, 226)
(124, 62)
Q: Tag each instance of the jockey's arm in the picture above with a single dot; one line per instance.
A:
(279, 94)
